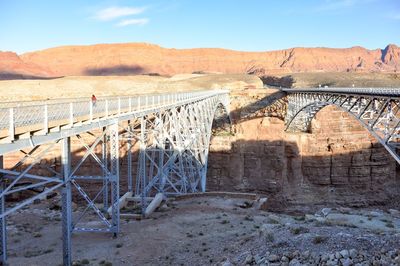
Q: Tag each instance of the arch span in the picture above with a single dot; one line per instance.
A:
(379, 114)
(174, 147)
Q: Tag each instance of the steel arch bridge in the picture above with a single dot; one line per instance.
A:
(376, 109)
(172, 130)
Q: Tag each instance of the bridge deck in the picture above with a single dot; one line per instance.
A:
(22, 126)
(389, 92)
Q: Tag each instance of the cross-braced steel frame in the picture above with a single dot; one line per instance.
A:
(173, 132)
(376, 109)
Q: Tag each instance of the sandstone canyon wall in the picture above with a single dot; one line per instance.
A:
(142, 58)
(338, 163)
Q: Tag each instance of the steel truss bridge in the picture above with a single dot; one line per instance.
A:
(376, 109)
(172, 132)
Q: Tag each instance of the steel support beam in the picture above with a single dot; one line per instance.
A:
(104, 158)
(129, 157)
(66, 198)
(174, 135)
(3, 222)
(114, 178)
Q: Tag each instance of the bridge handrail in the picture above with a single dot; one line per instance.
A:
(46, 115)
(363, 91)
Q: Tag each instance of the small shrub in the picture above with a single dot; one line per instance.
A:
(389, 224)
(299, 230)
(105, 263)
(248, 218)
(272, 221)
(319, 239)
(37, 234)
(270, 237)
(299, 218)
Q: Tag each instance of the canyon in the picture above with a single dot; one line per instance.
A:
(338, 163)
(338, 167)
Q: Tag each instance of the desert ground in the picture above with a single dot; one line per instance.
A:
(215, 230)
(102, 86)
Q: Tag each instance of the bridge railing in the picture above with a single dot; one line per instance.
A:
(17, 120)
(362, 91)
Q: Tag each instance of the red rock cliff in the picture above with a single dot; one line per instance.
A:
(11, 66)
(138, 58)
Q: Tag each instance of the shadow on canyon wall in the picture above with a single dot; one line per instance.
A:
(275, 169)
(272, 105)
(120, 70)
(15, 76)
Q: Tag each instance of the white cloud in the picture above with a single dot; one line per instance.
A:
(395, 17)
(336, 4)
(134, 21)
(111, 13)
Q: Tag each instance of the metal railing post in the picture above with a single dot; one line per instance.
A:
(11, 128)
(106, 108)
(119, 105)
(90, 111)
(130, 104)
(45, 119)
(71, 114)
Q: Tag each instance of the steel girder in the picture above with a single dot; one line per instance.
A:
(174, 146)
(378, 113)
(17, 179)
(109, 164)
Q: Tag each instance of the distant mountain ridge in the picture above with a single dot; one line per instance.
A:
(143, 58)
(13, 67)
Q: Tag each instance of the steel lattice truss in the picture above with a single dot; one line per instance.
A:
(173, 131)
(376, 109)
(174, 148)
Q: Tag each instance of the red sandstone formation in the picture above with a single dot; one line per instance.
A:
(12, 67)
(139, 58)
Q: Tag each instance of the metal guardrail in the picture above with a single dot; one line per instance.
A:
(41, 117)
(363, 91)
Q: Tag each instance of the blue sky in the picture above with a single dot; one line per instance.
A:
(249, 25)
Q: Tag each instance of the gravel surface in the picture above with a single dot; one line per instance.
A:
(214, 231)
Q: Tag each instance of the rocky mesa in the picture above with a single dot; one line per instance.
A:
(143, 58)
(13, 67)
